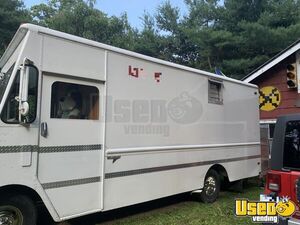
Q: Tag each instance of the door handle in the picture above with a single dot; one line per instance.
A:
(44, 129)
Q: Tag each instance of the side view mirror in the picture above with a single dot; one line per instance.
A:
(24, 109)
(23, 92)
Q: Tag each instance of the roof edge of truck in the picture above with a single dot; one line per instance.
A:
(70, 37)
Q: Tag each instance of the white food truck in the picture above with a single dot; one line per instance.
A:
(86, 127)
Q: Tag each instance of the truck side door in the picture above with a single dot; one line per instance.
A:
(70, 146)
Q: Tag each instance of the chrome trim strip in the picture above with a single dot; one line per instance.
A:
(51, 149)
(175, 147)
(71, 148)
(18, 149)
(67, 183)
(173, 167)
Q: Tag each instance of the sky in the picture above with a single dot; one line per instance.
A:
(134, 8)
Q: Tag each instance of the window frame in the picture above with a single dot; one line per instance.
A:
(36, 100)
(75, 82)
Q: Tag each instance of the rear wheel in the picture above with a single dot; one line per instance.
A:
(17, 210)
(211, 188)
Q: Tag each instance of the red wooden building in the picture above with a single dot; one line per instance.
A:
(279, 88)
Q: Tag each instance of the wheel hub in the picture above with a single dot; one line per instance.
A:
(10, 215)
(210, 186)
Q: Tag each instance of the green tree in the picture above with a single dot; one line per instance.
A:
(235, 36)
(80, 18)
(176, 45)
(148, 40)
(266, 28)
(12, 14)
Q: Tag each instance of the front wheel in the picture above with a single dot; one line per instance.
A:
(17, 210)
(211, 188)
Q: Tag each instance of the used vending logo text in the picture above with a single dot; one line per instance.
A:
(265, 211)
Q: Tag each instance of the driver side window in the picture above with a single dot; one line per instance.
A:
(10, 113)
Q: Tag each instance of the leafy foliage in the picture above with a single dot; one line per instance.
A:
(12, 14)
(234, 36)
(80, 18)
(238, 36)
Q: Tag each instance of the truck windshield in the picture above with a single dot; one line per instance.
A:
(4, 79)
(291, 155)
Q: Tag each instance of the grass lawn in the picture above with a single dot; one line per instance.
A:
(177, 210)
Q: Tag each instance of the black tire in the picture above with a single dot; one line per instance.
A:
(18, 208)
(211, 187)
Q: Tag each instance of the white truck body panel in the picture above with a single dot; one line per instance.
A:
(56, 60)
(156, 135)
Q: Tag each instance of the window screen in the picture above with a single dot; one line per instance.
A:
(74, 101)
(291, 155)
(215, 92)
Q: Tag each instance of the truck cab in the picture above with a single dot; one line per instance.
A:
(283, 179)
(33, 165)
